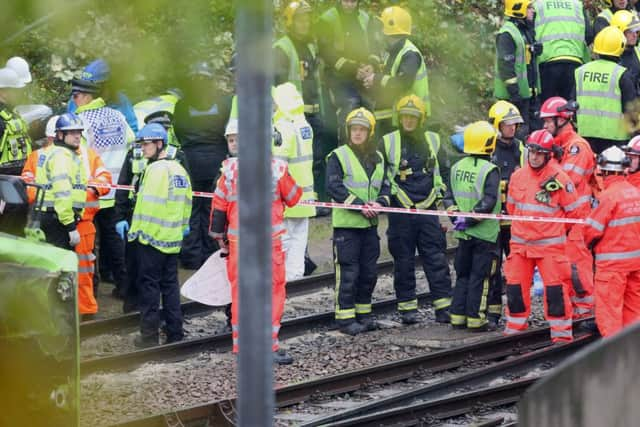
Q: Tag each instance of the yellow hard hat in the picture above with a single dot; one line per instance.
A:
(363, 117)
(294, 8)
(396, 21)
(480, 138)
(610, 41)
(504, 112)
(516, 8)
(411, 105)
(625, 20)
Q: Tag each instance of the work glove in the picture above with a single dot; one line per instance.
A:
(74, 238)
(186, 231)
(460, 224)
(122, 227)
(514, 93)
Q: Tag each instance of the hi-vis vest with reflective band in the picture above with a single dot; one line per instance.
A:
(332, 17)
(142, 109)
(297, 151)
(468, 177)
(598, 94)
(295, 67)
(359, 185)
(522, 60)
(15, 144)
(61, 174)
(560, 28)
(606, 14)
(393, 150)
(163, 207)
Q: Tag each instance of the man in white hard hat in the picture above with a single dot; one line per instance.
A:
(15, 144)
(31, 164)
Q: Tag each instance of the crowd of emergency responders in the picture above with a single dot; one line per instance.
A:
(351, 125)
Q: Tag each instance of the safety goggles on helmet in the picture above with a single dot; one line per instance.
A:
(540, 141)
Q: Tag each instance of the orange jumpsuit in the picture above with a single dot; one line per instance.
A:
(542, 245)
(634, 179)
(29, 172)
(96, 174)
(578, 162)
(615, 226)
(224, 209)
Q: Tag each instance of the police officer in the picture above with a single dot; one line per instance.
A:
(413, 157)
(629, 23)
(564, 29)
(604, 90)
(605, 17)
(356, 175)
(15, 144)
(159, 223)
(199, 122)
(475, 187)
(404, 71)
(516, 69)
(508, 156)
(63, 177)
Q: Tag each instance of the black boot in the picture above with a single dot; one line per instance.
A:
(442, 316)
(409, 317)
(351, 327)
(367, 321)
(309, 265)
(281, 357)
(146, 341)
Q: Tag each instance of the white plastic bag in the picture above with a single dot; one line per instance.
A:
(210, 284)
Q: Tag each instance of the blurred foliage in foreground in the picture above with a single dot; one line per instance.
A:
(151, 43)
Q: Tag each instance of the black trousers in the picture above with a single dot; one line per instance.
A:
(498, 283)
(197, 247)
(55, 233)
(356, 252)
(130, 291)
(158, 277)
(110, 248)
(475, 266)
(405, 234)
(557, 79)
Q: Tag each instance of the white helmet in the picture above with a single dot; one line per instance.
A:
(21, 67)
(232, 127)
(9, 78)
(50, 130)
(613, 159)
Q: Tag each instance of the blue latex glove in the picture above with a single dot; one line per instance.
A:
(122, 227)
(186, 231)
(460, 224)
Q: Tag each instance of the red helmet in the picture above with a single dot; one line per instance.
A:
(541, 141)
(633, 147)
(557, 107)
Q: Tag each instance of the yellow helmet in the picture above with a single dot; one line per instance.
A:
(516, 8)
(480, 138)
(395, 21)
(294, 8)
(504, 112)
(610, 41)
(625, 20)
(411, 105)
(363, 117)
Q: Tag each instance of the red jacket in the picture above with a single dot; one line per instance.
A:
(634, 179)
(615, 224)
(535, 237)
(578, 160)
(225, 198)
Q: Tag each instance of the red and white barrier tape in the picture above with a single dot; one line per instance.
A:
(331, 205)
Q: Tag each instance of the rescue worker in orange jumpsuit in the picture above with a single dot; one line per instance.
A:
(614, 226)
(633, 153)
(224, 229)
(578, 161)
(542, 189)
(96, 173)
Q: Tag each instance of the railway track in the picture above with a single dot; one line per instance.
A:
(222, 412)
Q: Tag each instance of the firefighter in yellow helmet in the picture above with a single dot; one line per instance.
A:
(601, 114)
(629, 23)
(297, 62)
(356, 175)
(414, 163)
(605, 17)
(404, 70)
(475, 187)
(517, 79)
(508, 156)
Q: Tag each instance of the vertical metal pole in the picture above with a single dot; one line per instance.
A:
(254, 33)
